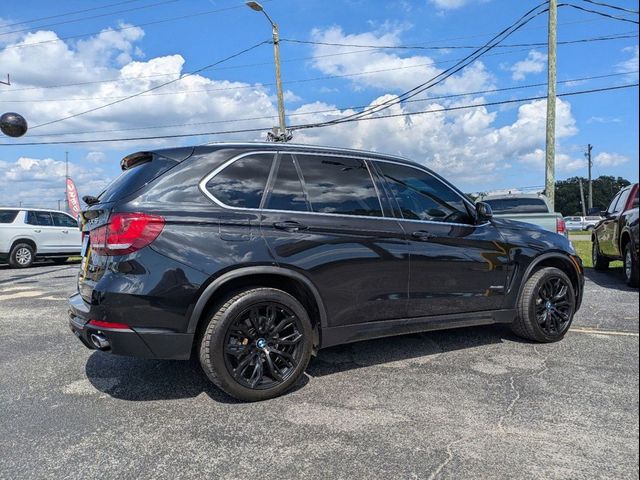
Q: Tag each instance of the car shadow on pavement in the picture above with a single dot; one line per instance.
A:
(612, 278)
(136, 379)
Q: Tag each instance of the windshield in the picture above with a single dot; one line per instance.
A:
(518, 205)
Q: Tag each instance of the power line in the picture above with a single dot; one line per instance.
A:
(308, 126)
(616, 7)
(241, 52)
(81, 19)
(245, 87)
(339, 109)
(128, 27)
(453, 47)
(596, 12)
(70, 13)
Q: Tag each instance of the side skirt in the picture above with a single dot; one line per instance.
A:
(369, 330)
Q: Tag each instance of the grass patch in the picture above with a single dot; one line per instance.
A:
(583, 248)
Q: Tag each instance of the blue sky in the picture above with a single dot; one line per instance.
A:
(478, 149)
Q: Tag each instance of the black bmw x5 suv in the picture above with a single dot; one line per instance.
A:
(254, 256)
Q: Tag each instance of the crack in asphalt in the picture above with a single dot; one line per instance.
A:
(446, 461)
(508, 412)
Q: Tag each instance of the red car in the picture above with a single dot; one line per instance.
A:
(616, 236)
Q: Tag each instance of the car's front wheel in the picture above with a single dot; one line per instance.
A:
(630, 266)
(599, 261)
(546, 306)
(21, 256)
(257, 344)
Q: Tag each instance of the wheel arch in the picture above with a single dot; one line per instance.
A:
(625, 238)
(290, 281)
(559, 261)
(26, 240)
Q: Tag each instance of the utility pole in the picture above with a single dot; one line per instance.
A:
(280, 133)
(590, 164)
(584, 209)
(550, 154)
(66, 177)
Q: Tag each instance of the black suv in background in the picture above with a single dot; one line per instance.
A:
(253, 256)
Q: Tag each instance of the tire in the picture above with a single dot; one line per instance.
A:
(21, 256)
(600, 262)
(589, 228)
(242, 334)
(60, 260)
(630, 266)
(538, 319)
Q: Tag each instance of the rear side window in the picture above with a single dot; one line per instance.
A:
(518, 205)
(8, 216)
(339, 185)
(39, 218)
(62, 220)
(242, 183)
(286, 192)
(135, 178)
(421, 196)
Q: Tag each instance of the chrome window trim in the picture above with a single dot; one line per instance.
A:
(210, 196)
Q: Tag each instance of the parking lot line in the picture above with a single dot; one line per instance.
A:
(604, 332)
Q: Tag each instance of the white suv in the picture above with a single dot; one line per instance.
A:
(32, 232)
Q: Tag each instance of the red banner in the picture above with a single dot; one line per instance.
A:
(72, 198)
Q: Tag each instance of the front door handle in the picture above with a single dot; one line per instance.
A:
(290, 226)
(65, 231)
(37, 230)
(422, 235)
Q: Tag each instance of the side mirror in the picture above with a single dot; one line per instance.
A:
(483, 211)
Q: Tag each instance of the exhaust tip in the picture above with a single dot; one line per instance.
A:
(99, 341)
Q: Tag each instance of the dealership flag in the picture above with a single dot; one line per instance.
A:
(72, 198)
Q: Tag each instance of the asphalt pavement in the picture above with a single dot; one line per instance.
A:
(466, 403)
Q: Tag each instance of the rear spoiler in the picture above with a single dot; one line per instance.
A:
(134, 159)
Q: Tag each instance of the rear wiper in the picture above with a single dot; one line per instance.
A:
(90, 200)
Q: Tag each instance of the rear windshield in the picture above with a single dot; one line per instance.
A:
(8, 216)
(135, 178)
(518, 205)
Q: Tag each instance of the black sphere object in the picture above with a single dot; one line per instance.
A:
(13, 124)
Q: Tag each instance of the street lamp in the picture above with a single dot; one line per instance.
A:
(13, 124)
(281, 134)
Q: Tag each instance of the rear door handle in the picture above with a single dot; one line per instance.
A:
(65, 231)
(290, 226)
(37, 231)
(422, 236)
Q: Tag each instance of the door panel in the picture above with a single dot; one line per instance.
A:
(43, 230)
(68, 236)
(359, 264)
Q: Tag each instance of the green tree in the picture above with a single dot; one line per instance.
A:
(604, 189)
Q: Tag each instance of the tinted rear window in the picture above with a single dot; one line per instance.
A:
(135, 178)
(518, 205)
(8, 216)
(242, 183)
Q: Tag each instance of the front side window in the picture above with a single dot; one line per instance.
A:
(339, 185)
(62, 220)
(622, 201)
(287, 193)
(612, 207)
(242, 183)
(421, 196)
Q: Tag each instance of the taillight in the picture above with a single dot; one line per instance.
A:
(126, 233)
(111, 325)
(561, 226)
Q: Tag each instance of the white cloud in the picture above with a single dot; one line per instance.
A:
(631, 64)
(41, 181)
(449, 4)
(535, 62)
(606, 159)
(388, 71)
(564, 162)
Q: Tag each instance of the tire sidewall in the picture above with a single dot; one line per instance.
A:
(218, 336)
(12, 257)
(632, 279)
(531, 304)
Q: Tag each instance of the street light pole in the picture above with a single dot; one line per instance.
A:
(281, 135)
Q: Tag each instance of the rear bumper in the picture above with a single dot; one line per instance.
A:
(134, 341)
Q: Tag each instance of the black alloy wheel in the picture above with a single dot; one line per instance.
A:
(546, 306)
(264, 345)
(554, 308)
(256, 344)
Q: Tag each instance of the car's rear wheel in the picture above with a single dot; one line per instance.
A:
(630, 266)
(546, 306)
(21, 256)
(600, 262)
(257, 344)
